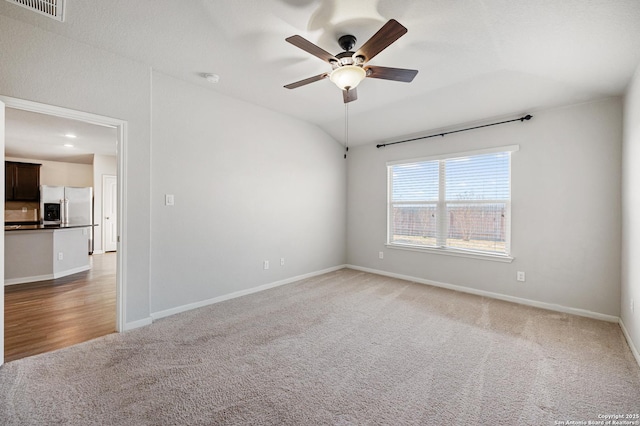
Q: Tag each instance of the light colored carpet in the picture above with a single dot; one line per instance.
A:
(343, 348)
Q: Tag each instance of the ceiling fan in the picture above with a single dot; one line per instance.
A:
(349, 68)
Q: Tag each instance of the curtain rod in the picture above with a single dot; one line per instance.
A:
(526, 117)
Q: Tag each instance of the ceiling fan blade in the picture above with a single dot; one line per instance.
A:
(395, 74)
(309, 47)
(390, 32)
(307, 81)
(349, 95)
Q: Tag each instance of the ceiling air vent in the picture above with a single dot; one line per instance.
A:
(52, 8)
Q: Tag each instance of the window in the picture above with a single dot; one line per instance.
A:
(460, 203)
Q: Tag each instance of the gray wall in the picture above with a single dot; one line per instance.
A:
(249, 185)
(565, 209)
(630, 209)
(43, 67)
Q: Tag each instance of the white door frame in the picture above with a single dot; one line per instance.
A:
(2, 106)
(121, 147)
(102, 219)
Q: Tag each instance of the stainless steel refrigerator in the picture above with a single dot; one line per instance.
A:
(75, 207)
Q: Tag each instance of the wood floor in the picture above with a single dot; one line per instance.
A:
(47, 315)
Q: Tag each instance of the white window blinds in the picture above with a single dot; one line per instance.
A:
(460, 202)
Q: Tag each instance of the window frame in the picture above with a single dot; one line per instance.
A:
(441, 207)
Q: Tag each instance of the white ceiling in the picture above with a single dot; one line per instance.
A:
(477, 59)
(43, 137)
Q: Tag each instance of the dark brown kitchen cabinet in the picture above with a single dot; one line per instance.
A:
(22, 181)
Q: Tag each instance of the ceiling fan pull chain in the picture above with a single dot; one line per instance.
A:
(346, 129)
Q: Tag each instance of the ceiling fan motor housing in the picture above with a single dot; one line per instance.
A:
(347, 42)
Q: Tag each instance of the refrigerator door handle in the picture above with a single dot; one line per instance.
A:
(65, 211)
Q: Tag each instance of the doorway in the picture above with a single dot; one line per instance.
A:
(119, 209)
(109, 212)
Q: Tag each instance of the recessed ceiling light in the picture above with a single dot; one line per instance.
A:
(70, 136)
(68, 145)
(212, 78)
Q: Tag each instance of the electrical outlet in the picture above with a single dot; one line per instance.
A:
(520, 276)
(282, 261)
(60, 256)
(381, 255)
(265, 264)
(631, 305)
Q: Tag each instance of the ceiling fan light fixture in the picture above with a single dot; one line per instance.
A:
(348, 76)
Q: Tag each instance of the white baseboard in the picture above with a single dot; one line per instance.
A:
(190, 306)
(22, 280)
(35, 278)
(98, 252)
(137, 324)
(519, 300)
(627, 336)
(71, 271)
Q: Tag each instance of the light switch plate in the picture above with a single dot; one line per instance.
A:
(169, 200)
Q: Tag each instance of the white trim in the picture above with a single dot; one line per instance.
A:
(137, 324)
(448, 251)
(507, 237)
(98, 252)
(121, 130)
(190, 306)
(32, 279)
(2, 271)
(449, 156)
(22, 280)
(627, 336)
(151, 206)
(71, 271)
(87, 117)
(121, 272)
(492, 295)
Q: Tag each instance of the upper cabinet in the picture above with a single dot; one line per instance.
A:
(22, 181)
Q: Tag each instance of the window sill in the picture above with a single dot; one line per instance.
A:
(453, 252)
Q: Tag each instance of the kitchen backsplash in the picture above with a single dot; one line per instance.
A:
(20, 211)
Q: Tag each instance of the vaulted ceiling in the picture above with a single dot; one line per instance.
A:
(476, 59)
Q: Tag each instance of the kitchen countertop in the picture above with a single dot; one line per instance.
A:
(42, 227)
